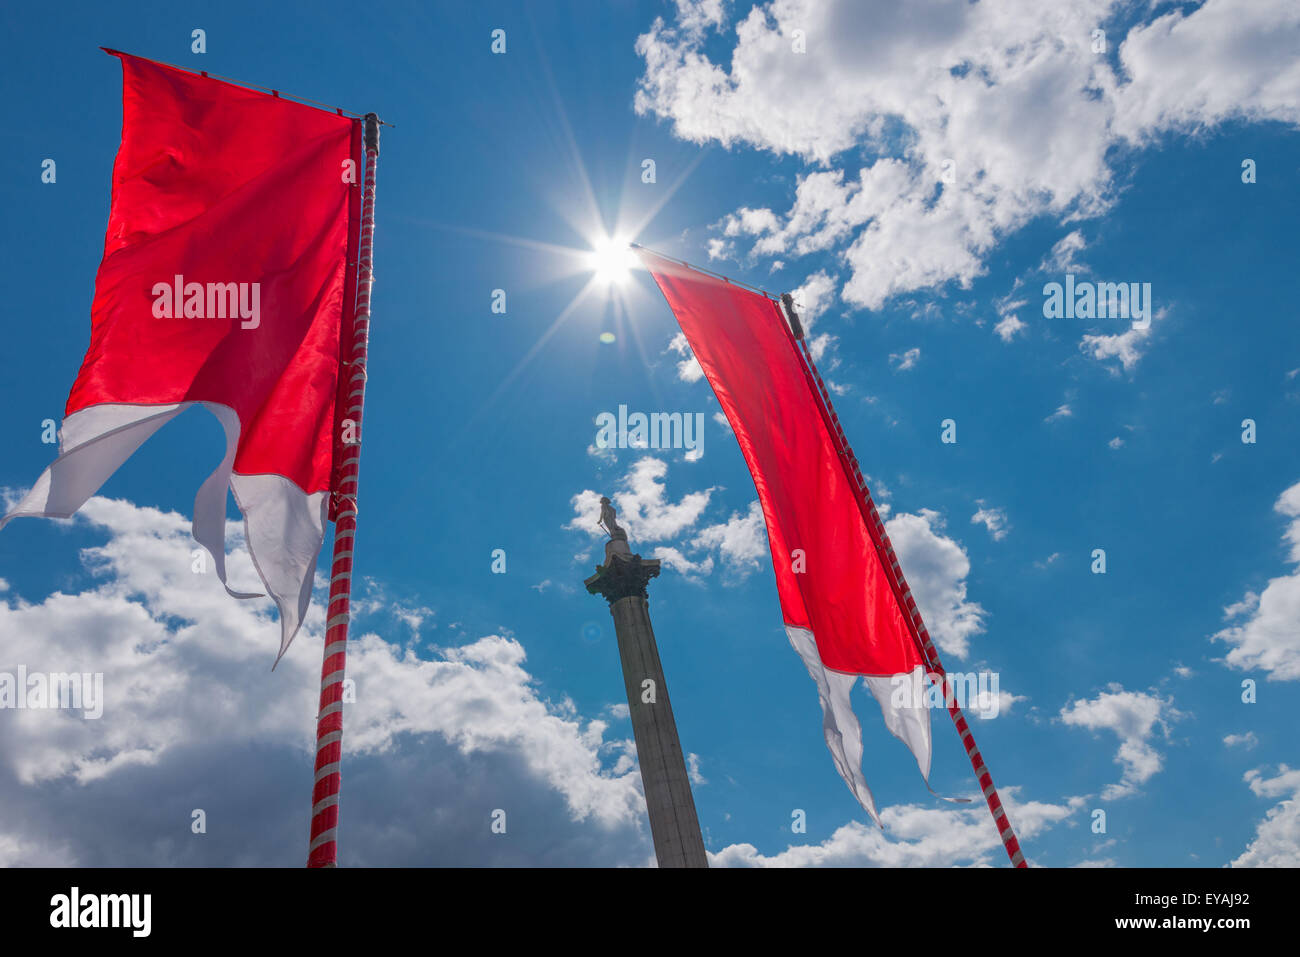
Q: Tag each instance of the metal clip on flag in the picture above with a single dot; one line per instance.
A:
(847, 609)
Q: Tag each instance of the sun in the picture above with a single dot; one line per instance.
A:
(611, 259)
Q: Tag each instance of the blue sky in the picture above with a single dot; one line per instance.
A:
(819, 172)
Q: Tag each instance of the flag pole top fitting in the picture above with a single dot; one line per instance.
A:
(708, 272)
(796, 326)
(372, 132)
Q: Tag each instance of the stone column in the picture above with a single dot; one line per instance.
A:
(622, 580)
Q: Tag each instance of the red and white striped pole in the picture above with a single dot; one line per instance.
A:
(323, 850)
(903, 593)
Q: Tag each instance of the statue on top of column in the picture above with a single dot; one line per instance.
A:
(608, 521)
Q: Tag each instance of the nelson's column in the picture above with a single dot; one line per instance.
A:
(622, 580)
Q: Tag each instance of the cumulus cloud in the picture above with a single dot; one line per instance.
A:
(741, 540)
(644, 508)
(1133, 717)
(693, 770)
(1008, 326)
(700, 15)
(902, 361)
(1266, 636)
(978, 118)
(673, 559)
(606, 456)
(688, 368)
(994, 519)
(689, 546)
(1277, 837)
(813, 298)
(193, 717)
(1128, 346)
(818, 346)
(1062, 257)
(913, 836)
(936, 567)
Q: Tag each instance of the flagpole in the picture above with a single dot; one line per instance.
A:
(903, 593)
(323, 849)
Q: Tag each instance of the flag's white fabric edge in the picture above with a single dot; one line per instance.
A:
(840, 724)
(283, 525)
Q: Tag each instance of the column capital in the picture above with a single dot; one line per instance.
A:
(622, 576)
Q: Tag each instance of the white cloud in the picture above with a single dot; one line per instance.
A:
(619, 711)
(721, 249)
(750, 222)
(190, 703)
(905, 360)
(813, 298)
(1116, 443)
(1062, 256)
(913, 836)
(1011, 93)
(994, 519)
(688, 369)
(819, 345)
(1269, 639)
(740, 543)
(372, 598)
(987, 706)
(1244, 607)
(1247, 741)
(675, 560)
(741, 540)
(1277, 837)
(1224, 60)
(642, 504)
(1063, 411)
(606, 455)
(1009, 325)
(1128, 346)
(700, 15)
(693, 770)
(1133, 716)
(936, 568)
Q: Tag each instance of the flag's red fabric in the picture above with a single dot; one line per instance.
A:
(841, 592)
(221, 184)
(840, 611)
(225, 283)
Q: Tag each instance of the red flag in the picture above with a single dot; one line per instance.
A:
(840, 611)
(225, 283)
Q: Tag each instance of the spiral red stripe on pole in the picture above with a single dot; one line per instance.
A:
(323, 848)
